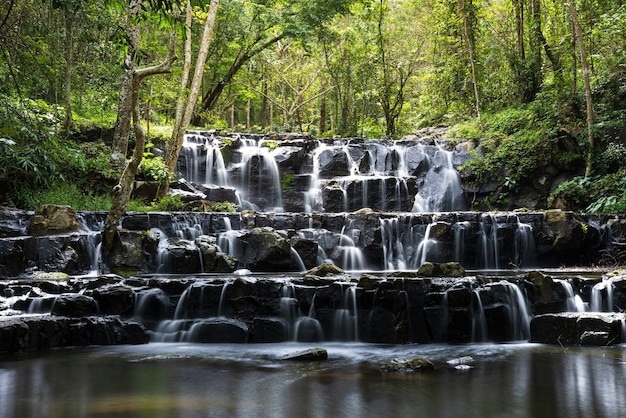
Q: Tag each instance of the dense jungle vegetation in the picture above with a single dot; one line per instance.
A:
(537, 87)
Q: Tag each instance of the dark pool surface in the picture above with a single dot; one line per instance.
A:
(223, 380)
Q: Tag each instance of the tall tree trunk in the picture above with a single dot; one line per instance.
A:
(121, 133)
(184, 117)
(518, 6)
(322, 123)
(578, 34)
(69, 67)
(121, 192)
(468, 34)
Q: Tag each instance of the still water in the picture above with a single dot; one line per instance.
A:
(223, 380)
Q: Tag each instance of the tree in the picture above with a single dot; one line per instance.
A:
(246, 28)
(578, 35)
(129, 110)
(468, 16)
(185, 106)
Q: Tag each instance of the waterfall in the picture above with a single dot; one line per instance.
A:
(602, 296)
(308, 328)
(440, 190)
(519, 316)
(479, 322)
(459, 229)
(201, 160)
(573, 302)
(525, 252)
(489, 242)
(352, 258)
(260, 179)
(346, 324)
(424, 246)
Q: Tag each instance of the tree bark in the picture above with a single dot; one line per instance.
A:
(471, 49)
(121, 192)
(121, 133)
(69, 66)
(578, 34)
(184, 117)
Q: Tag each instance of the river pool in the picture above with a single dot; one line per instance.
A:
(225, 380)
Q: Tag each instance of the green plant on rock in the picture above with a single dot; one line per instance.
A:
(286, 180)
(271, 145)
(154, 169)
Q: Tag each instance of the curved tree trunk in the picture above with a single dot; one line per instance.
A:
(121, 192)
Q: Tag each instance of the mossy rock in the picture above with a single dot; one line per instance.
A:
(451, 269)
(414, 365)
(325, 269)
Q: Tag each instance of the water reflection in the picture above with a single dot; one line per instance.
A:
(216, 380)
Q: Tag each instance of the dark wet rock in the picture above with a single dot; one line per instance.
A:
(568, 238)
(116, 299)
(414, 365)
(13, 223)
(127, 254)
(571, 328)
(268, 330)
(333, 163)
(52, 220)
(265, 250)
(45, 332)
(311, 354)
(218, 330)
(307, 249)
(181, 256)
(75, 305)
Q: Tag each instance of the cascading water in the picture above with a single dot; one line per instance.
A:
(525, 251)
(346, 317)
(602, 296)
(489, 242)
(479, 322)
(201, 160)
(519, 316)
(574, 302)
(440, 189)
(259, 183)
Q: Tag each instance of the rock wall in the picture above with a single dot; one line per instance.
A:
(264, 242)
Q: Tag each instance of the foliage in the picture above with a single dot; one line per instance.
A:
(514, 145)
(63, 194)
(154, 169)
(597, 194)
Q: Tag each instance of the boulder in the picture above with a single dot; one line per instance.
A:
(333, 162)
(572, 328)
(311, 354)
(218, 330)
(265, 250)
(116, 299)
(52, 220)
(268, 330)
(307, 249)
(325, 269)
(74, 305)
(414, 365)
(450, 269)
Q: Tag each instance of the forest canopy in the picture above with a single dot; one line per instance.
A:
(514, 76)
